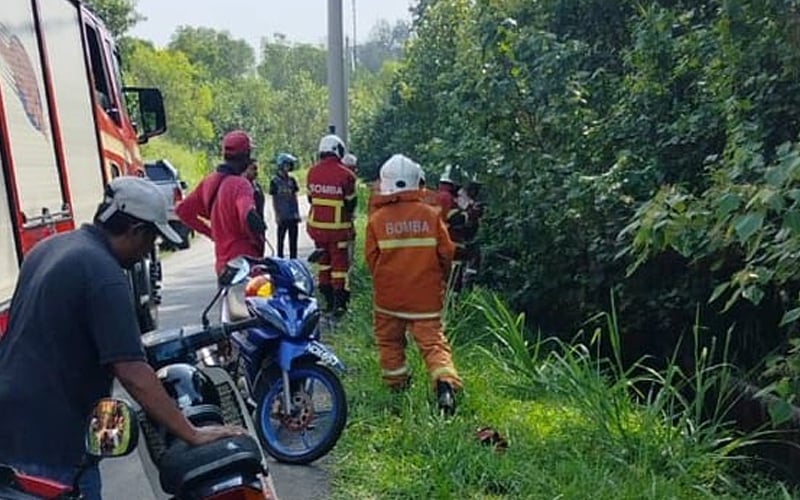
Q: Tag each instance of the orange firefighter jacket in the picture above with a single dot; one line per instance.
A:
(331, 186)
(408, 253)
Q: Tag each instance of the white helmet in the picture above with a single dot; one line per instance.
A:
(331, 144)
(399, 173)
(445, 177)
(350, 160)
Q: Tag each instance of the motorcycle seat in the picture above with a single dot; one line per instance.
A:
(182, 464)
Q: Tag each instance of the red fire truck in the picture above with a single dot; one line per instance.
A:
(67, 126)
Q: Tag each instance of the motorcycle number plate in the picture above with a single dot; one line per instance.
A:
(325, 355)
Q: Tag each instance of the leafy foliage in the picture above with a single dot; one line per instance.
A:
(642, 147)
(222, 57)
(119, 16)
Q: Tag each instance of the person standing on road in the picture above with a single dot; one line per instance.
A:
(226, 199)
(332, 195)
(251, 174)
(283, 188)
(72, 329)
(408, 253)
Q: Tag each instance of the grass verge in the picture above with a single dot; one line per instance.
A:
(577, 428)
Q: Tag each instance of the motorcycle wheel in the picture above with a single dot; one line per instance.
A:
(316, 420)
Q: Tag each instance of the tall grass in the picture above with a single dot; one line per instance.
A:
(577, 426)
(580, 425)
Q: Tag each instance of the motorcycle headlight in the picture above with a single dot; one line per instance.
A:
(303, 281)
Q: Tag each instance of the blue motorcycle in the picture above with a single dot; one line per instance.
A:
(271, 319)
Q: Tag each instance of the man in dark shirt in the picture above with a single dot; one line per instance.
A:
(283, 189)
(251, 174)
(72, 329)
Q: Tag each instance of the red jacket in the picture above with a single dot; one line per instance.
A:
(224, 200)
(330, 184)
(408, 252)
(447, 200)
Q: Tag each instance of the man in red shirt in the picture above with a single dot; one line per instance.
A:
(222, 206)
(332, 195)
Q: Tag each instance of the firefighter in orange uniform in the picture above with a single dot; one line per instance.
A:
(332, 195)
(408, 252)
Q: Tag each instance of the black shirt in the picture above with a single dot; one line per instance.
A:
(71, 317)
(258, 197)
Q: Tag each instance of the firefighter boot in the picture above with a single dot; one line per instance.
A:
(446, 398)
(341, 298)
(327, 295)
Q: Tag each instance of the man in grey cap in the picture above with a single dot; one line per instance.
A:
(72, 329)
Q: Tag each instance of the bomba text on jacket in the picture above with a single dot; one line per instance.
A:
(398, 228)
(326, 189)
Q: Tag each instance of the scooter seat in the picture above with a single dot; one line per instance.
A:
(183, 464)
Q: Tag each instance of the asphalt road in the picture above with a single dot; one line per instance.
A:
(188, 285)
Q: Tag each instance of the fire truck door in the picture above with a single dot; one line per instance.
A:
(32, 142)
(9, 263)
(73, 98)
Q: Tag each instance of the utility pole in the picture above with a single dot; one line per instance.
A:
(337, 92)
(355, 40)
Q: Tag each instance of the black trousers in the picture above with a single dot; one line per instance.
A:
(289, 226)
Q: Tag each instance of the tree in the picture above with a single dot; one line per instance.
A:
(119, 15)
(281, 61)
(221, 56)
(188, 99)
(385, 43)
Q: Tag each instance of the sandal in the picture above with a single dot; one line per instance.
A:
(488, 436)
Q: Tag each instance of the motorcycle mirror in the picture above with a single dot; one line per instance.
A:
(112, 430)
(236, 271)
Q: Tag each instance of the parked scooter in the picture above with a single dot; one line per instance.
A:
(304, 423)
(111, 432)
(228, 469)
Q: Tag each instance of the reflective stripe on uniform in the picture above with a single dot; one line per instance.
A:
(327, 202)
(408, 315)
(329, 225)
(343, 244)
(339, 275)
(403, 370)
(337, 206)
(407, 243)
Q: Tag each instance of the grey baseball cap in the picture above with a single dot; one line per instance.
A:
(139, 198)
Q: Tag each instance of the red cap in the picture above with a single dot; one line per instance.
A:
(236, 143)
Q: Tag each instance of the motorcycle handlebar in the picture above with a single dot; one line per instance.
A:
(171, 346)
(221, 332)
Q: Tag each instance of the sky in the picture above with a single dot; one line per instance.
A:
(300, 20)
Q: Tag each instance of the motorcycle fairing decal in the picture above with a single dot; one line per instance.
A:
(325, 355)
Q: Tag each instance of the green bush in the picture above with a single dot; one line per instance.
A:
(597, 126)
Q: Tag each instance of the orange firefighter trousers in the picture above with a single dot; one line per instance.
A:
(390, 337)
